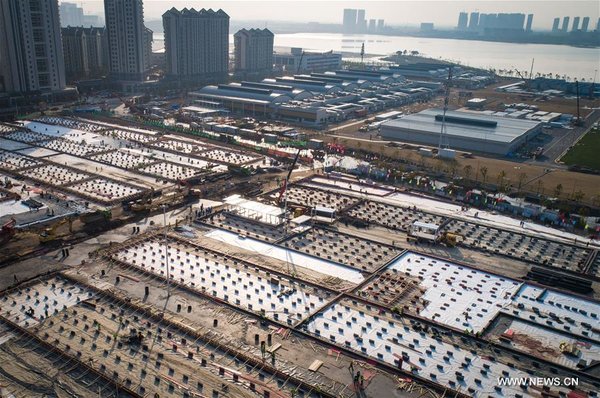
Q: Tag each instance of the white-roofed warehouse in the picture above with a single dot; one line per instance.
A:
(464, 131)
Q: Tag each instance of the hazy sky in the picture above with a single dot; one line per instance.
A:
(395, 12)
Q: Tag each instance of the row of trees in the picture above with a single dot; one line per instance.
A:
(504, 185)
(478, 175)
(406, 52)
(515, 73)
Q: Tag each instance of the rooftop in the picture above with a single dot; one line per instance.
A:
(462, 124)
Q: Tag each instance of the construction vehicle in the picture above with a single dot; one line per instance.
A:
(569, 349)
(7, 231)
(171, 198)
(129, 104)
(49, 234)
(98, 216)
(135, 337)
(450, 239)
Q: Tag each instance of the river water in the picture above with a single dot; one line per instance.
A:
(574, 62)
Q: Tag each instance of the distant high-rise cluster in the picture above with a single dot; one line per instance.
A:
(564, 28)
(355, 22)
(482, 23)
(72, 15)
(196, 44)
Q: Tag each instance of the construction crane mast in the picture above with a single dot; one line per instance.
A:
(443, 143)
(531, 70)
(283, 190)
(362, 55)
(526, 81)
(300, 62)
(579, 120)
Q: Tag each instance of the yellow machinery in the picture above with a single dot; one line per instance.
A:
(569, 349)
(450, 239)
(147, 203)
(49, 234)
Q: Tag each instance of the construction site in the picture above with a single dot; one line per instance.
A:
(61, 177)
(323, 285)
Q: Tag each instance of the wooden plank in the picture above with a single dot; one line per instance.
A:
(315, 365)
(274, 348)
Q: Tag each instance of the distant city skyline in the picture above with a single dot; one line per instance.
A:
(397, 12)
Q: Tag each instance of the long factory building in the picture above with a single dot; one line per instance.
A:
(317, 99)
(464, 131)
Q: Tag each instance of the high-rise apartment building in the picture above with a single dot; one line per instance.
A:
(355, 21)
(372, 26)
(565, 24)
(380, 25)
(361, 22)
(529, 23)
(555, 24)
(463, 20)
(196, 44)
(349, 23)
(148, 37)
(501, 23)
(253, 50)
(575, 24)
(585, 24)
(125, 33)
(31, 55)
(84, 51)
(474, 21)
(72, 15)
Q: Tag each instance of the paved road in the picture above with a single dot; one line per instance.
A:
(555, 150)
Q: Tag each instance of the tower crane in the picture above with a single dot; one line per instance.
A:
(443, 143)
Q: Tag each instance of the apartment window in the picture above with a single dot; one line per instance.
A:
(43, 80)
(42, 65)
(35, 6)
(38, 35)
(40, 50)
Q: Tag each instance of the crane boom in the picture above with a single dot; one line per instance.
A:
(531, 70)
(287, 178)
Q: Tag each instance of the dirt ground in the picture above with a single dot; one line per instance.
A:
(555, 104)
(571, 181)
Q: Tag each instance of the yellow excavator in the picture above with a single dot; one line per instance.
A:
(149, 203)
(50, 234)
(450, 239)
(569, 349)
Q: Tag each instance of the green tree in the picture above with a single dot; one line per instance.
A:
(467, 170)
(522, 179)
(578, 196)
(483, 170)
(558, 190)
(500, 179)
(540, 187)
